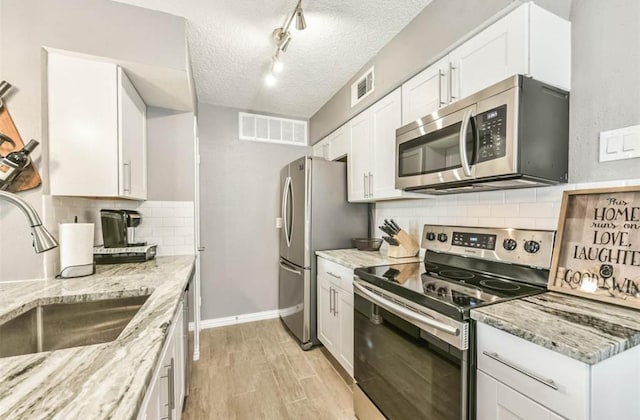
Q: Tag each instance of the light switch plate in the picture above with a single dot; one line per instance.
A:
(623, 143)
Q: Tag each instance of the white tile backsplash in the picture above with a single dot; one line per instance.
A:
(169, 224)
(530, 208)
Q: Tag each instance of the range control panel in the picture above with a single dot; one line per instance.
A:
(516, 246)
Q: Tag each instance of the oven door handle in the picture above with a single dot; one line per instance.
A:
(463, 142)
(404, 312)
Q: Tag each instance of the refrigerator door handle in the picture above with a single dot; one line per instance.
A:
(285, 210)
(286, 266)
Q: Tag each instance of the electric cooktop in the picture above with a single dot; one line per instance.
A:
(445, 288)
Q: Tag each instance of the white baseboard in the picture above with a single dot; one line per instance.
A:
(236, 319)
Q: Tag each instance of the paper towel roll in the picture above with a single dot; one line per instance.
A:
(76, 248)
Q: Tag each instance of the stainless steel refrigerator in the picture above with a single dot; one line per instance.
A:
(315, 216)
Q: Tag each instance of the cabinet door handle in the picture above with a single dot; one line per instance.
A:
(172, 385)
(451, 69)
(364, 179)
(440, 76)
(126, 174)
(330, 300)
(548, 382)
(335, 302)
(170, 400)
(370, 184)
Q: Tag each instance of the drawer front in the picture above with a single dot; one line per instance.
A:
(338, 274)
(535, 371)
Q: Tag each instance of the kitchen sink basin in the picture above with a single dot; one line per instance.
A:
(63, 325)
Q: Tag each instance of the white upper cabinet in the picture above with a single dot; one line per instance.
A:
(426, 92)
(97, 130)
(385, 119)
(491, 56)
(530, 40)
(372, 156)
(359, 163)
(132, 143)
(334, 146)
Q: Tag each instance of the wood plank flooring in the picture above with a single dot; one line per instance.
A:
(257, 371)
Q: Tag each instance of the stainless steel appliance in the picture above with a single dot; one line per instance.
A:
(513, 134)
(315, 216)
(414, 343)
(119, 239)
(118, 228)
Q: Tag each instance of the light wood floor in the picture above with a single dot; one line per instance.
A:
(257, 371)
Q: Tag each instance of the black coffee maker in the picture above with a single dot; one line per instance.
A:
(119, 228)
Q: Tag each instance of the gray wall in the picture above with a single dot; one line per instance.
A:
(605, 81)
(170, 167)
(605, 90)
(239, 202)
(97, 27)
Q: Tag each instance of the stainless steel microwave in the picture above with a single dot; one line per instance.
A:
(513, 134)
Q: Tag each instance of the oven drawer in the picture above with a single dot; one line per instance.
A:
(549, 378)
(338, 274)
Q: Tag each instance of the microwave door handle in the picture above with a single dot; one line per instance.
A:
(463, 142)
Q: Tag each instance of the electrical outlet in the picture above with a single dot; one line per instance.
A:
(279, 222)
(623, 143)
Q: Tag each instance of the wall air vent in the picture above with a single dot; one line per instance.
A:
(362, 87)
(264, 128)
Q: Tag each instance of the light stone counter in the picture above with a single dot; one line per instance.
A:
(99, 381)
(582, 329)
(352, 258)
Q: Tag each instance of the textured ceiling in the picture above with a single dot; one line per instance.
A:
(231, 47)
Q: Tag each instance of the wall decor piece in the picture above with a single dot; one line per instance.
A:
(27, 176)
(597, 251)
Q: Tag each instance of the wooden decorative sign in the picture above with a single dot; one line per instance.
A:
(597, 252)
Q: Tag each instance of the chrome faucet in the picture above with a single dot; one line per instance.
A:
(42, 239)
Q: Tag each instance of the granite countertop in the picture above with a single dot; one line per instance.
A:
(582, 329)
(103, 380)
(353, 258)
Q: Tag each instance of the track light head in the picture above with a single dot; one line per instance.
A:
(301, 23)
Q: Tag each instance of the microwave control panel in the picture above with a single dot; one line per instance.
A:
(492, 133)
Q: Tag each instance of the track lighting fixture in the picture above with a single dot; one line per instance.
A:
(282, 38)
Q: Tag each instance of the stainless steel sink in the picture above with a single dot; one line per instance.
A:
(63, 325)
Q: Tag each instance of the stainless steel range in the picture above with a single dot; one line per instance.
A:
(414, 343)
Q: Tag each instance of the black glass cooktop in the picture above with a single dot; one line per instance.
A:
(448, 289)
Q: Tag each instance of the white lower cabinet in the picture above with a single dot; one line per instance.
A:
(335, 311)
(517, 379)
(497, 401)
(165, 396)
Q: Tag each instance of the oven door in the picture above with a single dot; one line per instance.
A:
(439, 152)
(406, 371)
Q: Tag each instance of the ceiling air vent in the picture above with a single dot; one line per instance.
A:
(264, 128)
(362, 87)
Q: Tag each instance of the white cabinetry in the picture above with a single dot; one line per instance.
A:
(165, 397)
(97, 130)
(529, 40)
(335, 311)
(521, 380)
(371, 163)
(426, 92)
(334, 146)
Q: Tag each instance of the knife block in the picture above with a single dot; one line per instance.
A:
(408, 246)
